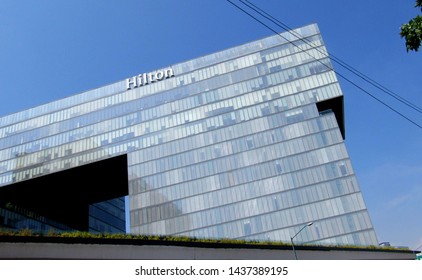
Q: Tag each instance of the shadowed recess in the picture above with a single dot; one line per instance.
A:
(65, 196)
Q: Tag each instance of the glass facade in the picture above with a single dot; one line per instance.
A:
(232, 145)
(15, 217)
(107, 216)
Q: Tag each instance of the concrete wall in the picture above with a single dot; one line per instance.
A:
(30, 250)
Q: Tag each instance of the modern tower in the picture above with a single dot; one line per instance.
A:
(245, 143)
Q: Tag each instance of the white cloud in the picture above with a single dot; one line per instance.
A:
(393, 184)
(393, 195)
(400, 200)
(418, 246)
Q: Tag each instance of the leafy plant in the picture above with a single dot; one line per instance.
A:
(412, 31)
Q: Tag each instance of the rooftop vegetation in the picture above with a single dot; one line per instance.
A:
(176, 239)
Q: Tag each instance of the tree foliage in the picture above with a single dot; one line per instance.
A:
(412, 31)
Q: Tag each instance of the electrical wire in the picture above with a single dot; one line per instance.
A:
(328, 66)
(332, 57)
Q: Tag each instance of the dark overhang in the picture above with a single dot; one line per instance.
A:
(336, 105)
(65, 196)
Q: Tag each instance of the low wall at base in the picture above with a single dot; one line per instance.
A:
(91, 249)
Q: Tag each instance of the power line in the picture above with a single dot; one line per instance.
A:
(328, 66)
(332, 56)
(342, 64)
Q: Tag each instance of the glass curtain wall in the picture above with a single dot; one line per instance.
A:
(231, 146)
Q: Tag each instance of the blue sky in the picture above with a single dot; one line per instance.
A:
(51, 49)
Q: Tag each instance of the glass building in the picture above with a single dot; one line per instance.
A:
(246, 143)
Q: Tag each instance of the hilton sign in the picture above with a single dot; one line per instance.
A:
(146, 78)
